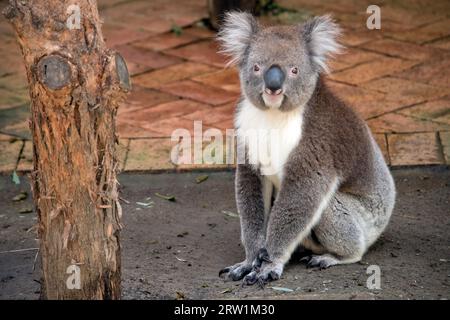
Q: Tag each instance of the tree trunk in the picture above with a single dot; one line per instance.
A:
(76, 84)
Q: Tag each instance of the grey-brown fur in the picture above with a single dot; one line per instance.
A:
(336, 149)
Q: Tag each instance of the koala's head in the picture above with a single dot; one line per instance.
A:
(279, 66)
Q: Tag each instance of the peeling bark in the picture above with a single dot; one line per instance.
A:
(76, 84)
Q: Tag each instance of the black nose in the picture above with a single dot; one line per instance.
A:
(274, 78)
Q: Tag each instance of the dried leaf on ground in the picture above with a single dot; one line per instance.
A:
(165, 197)
(201, 178)
(21, 196)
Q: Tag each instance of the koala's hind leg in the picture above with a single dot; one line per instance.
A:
(340, 233)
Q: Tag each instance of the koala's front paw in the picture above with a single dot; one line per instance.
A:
(266, 273)
(262, 256)
(238, 271)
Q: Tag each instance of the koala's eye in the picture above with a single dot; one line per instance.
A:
(256, 68)
(294, 71)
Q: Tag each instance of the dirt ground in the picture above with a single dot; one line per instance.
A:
(175, 249)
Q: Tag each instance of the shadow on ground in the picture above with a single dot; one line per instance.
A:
(175, 249)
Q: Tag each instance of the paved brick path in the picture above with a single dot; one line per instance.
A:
(397, 78)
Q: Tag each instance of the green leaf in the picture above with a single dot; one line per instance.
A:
(15, 178)
(201, 178)
(177, 29)
(26, 210)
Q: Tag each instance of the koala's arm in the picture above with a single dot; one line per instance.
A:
(250, 205)
(305, 192)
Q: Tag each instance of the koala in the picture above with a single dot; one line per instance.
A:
(326, 188)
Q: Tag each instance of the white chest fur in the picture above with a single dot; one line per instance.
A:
(270, 136)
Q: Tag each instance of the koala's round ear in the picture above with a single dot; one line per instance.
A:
(320, 35)
(235, 34)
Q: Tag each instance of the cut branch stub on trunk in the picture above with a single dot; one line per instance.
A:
(76, 85)
(54, 71)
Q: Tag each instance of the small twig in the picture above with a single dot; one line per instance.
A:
(181, 260)
(32, 228)
(35, 259)
(19, 250)
(124, 200)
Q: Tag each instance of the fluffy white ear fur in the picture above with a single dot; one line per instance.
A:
(235, 34)
(321, 35)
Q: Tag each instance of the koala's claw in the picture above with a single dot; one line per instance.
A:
(237, 271)
(318, 261)
(261, 283)
(224, 270)
(250, 279)
(305, 259)
(274, 276)
(261, 257)
(268, 273)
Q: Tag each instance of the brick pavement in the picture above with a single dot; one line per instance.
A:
(396, 78)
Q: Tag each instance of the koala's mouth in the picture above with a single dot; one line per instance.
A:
(273, 99)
